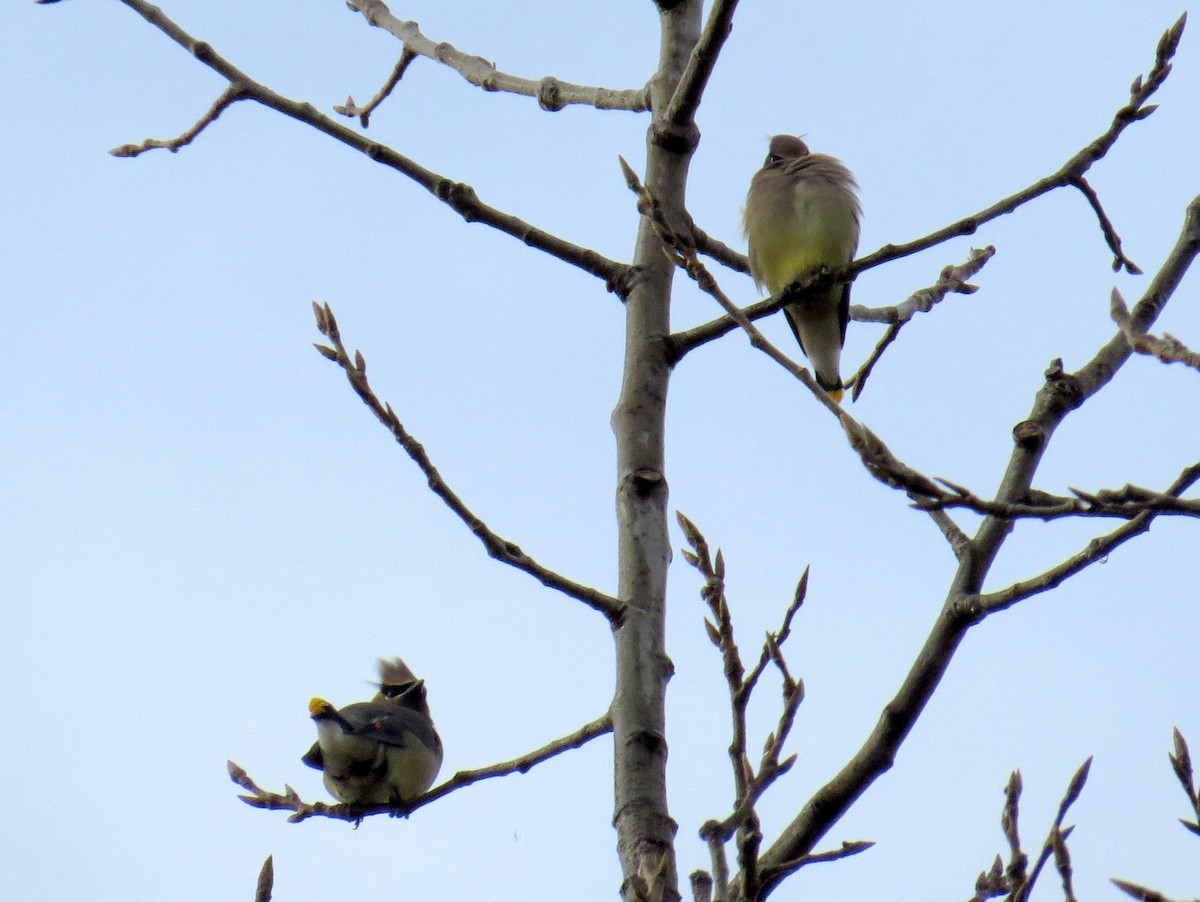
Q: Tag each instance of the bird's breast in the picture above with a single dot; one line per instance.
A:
(793, 231)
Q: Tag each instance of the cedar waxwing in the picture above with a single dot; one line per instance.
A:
(802, 214)
(385, 751)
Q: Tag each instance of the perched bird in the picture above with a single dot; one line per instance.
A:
(802, 214)
(385, 751)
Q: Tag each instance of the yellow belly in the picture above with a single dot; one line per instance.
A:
(783, 255)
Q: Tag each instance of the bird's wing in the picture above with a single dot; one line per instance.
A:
(390, 724)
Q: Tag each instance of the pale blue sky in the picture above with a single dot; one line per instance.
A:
(205, 527)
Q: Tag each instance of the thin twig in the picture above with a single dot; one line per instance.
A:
(229, 96)
(266, 881)
(1097, 549)
(790, 867)
(720, 634)
(301, 810)
(1125, 503)
(1062, 862)
(1120, 261)
(1015, 880)
(959, 543)
(1017, 871)
(1168, 349)
(350, 108)
(749, 786)
(551, 94)
(497, 547)
(781, 635)
(1055, 843)
(952, 279)
(718, 250)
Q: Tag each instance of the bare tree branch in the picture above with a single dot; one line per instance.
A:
(1062, 861)
(1168, 349)
(681, 110)
(720, 863)
(1126, 503)
(748, 788)
(458, 196)
(953, 279)
(749, 785)
(524, 763)
(551, 94)
(780, 636)
(645, 829)
(1056, 840)
(883, 464)
(721, 635)
(720, 251)
(957, 539)
(229, 96)
(1071, 172)
(288, 800)
(1120, 261)
(350, 108)
(497, 547)
(1096, 549)
(790, 867)
(1015, 881)
(1018, 862)
(682, 343)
